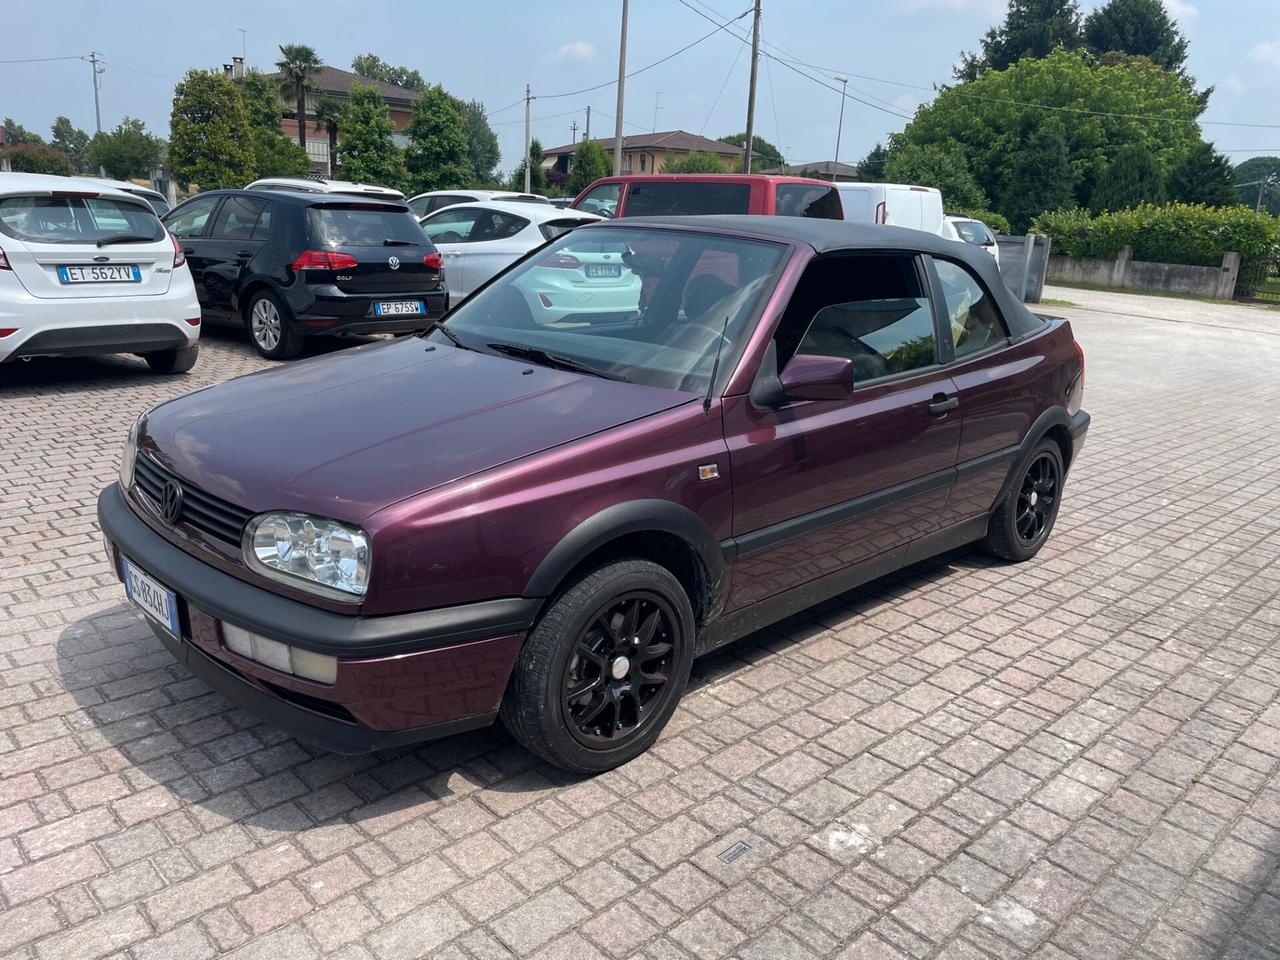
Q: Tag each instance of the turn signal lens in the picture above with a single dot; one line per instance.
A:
(317, 667)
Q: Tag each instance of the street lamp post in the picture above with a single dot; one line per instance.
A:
(835, 166)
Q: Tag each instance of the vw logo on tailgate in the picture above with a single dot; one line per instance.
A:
(393, 263)
(171, 502)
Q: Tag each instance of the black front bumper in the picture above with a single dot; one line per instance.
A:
(290, 621)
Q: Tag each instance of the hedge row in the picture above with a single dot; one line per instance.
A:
(1171, 233)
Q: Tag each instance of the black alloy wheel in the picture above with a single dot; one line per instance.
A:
(1037, 498)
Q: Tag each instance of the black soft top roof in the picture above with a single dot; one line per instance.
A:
(827, 237)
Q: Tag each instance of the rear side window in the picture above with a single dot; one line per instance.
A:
(77, 219)
(682, 198)
(974, 320)
(803, 200)
(493, 225)
(362, 225)
(241, 219)
(555, 228)
(453, 225)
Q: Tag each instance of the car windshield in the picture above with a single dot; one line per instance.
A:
(651, 306)
(363, 225)
(56, 219)
(972, 231)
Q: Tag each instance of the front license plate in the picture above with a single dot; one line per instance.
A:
(109, 273)
(156, 601)
(399, 308)
(604, 270)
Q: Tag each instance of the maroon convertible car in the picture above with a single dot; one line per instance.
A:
(643, 440)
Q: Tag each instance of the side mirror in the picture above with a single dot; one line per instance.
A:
(811, 377)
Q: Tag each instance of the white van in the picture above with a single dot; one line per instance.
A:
(898, 204)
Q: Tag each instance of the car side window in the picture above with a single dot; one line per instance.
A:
(492, 225)
(191, 220)
(451, 225)
(975, 322)
(602, 200)
(870, 309)
(238, 218)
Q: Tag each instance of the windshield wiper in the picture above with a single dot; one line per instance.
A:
(393, 242)
(124, 238)
(438, 325)
(538, 355)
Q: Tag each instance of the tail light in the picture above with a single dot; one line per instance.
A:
(4, 262)
(6, 331)
(179, 257)
(434, 261)
(1075, 395)
(882, 214)
(560, 261)
(324, 260)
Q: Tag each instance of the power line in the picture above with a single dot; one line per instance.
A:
(716, 101)
(42, 59)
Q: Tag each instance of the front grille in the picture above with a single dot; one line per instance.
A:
(205, 512)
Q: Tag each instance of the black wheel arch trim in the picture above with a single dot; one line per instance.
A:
(619, 520)
(1056, 416)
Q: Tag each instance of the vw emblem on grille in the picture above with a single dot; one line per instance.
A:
(393, 263)
(171, 502)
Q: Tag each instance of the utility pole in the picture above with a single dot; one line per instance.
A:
(622, 79)
(586, 134)
(751, 92)
(835, 166)
(528, 141)
(97, 85)
(574, 128)
(657, 105)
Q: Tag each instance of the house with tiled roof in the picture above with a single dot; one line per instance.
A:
(648, 152)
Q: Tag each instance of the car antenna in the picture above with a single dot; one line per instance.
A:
(715, 367)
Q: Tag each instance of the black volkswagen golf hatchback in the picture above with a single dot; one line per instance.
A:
(289, 265)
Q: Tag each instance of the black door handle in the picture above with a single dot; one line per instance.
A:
(939, 407)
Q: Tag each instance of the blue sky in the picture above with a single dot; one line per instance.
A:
(489, 51)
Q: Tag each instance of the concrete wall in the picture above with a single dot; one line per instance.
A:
(1125, 272)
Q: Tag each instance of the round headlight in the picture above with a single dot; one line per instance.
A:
(128, 455)
(311, 552)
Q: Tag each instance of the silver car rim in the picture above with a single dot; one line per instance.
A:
(266, 324)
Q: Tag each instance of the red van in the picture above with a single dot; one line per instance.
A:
(688, 194)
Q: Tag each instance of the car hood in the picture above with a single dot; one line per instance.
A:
(348, 434)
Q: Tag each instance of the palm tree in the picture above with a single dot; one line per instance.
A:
(328, 114)
(298, 66)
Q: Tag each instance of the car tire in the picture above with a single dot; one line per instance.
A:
(177, 360)
(271, 327)
(1026, 513)
(581, 644)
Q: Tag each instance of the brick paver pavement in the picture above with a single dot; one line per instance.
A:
(1076, 757)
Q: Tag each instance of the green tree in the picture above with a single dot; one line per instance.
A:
(274, 154)
(1141, 27)
(1031, 28)
(71, 140)
(36, 158)
(699, 161)
(15, 133)
(127, 151)
(437, 157)
(993, 117)
(936, 165)
(209, 137)
(298, 66)
(764, 155)
(1259, 176)
(1134, 177)
(871, 167)
(537, 176)
(590, 163)
(328, 117)
(1040, 180)
(1203, 176)
(373, 67)
(482, 142)
(366, 152)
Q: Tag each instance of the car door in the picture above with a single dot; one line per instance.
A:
(498, 240)
(189, 223)
(229, 247)
(450, 230)
(822, 486)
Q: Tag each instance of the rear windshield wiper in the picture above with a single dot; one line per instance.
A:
(537, 355)
(124, 238)
(393, 242)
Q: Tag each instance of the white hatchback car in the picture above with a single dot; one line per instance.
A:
(87, 269)
(968, 230)
(480, 240)
(433, 200)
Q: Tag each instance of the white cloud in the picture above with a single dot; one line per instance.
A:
(1233, 84)
(580, 50)
(1181, 10)
(1267, 52)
